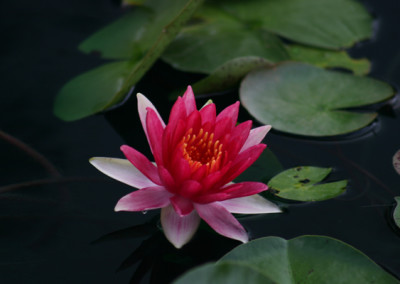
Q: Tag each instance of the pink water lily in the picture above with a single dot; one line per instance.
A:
(197, 155)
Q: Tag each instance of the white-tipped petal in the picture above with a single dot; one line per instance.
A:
(222, 221)
(121, 170)
(254, 204)
(143, 104)
(256, 136)
(179, 229)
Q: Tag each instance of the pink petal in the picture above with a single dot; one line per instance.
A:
(238, 138)
(182, 206)
(143, 104)
(122, 170)
(188, 98)
(178, 112)
(244, 160)
(155, 133)
(179, 230)
(221, 221)
(208, 114)
(190, 188)
(141, 163)
(231, 112)
(256, 136)
(235, 190)
(167, 179)
(144, 199)
(254, 204)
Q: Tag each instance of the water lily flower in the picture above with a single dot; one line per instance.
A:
(197, 156)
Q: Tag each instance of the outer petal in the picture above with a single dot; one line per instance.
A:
(256, 136)
(141, 162)
(188, 98)
(254, 204)
(122, 170)
(235, 190)
(179, 230)
(144, 199)
(143, 104)
(222, 221)
(155, 132)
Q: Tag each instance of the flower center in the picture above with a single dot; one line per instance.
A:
(201, 149)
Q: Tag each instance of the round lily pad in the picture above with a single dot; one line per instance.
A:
(303, 99)
(303, 184)
(306, 259)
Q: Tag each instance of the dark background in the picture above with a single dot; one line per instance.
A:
(47, 229)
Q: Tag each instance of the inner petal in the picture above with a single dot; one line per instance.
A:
(202, 149)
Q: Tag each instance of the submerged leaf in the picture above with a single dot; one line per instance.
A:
(229, 74)
(396, 213)
(396, 161)
(306, 100)
(328, 58)
(215, 38)
(306, 259)
(301, 184)
(88, 94)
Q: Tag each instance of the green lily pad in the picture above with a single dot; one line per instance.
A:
(301, 184)
(396, 213)
(229, 74)
(214, 38)
(328, 58)
(86, 95)
(306, 259)
(322, 23)
(302, 99)
(263, 169)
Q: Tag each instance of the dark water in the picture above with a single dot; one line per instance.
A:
(48, 229)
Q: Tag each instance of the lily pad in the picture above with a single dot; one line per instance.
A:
(229, 74)
(214, 38)
(92, 97)
(396, 161)
(328, 58)
(301, 184)
(321, 23)
(302, 99)
(306, 259)
(396, 213)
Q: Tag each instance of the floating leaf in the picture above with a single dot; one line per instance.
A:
(229, 74)
(306, 100)
(322, 23)
(300, 184)
(327, 58)
(94, 98)
(306, 259)
(396, 161)
(215, 38)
